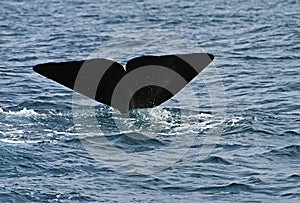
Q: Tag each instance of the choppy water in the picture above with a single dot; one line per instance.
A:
(256, 158)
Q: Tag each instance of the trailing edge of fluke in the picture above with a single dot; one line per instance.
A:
(146, 81)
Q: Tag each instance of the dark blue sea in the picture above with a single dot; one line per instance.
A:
(232, 135)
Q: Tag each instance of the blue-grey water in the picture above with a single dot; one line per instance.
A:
(257, 52)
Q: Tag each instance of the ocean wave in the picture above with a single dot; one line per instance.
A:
(231, 187)
(291, 151)
(216, 160)
(19, 141)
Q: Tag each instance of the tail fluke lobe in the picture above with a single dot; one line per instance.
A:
(94, 78)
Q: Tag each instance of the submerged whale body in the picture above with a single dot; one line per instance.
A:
(146, 81)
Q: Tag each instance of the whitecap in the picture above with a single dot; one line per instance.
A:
(24, 112)
(15, 141)
(235, 121)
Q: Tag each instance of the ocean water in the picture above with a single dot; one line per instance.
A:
(233, 134)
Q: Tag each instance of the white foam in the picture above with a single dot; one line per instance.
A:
(15, 141)
(159, 114)
(55, 114)
(24, 112)
(235, 121)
